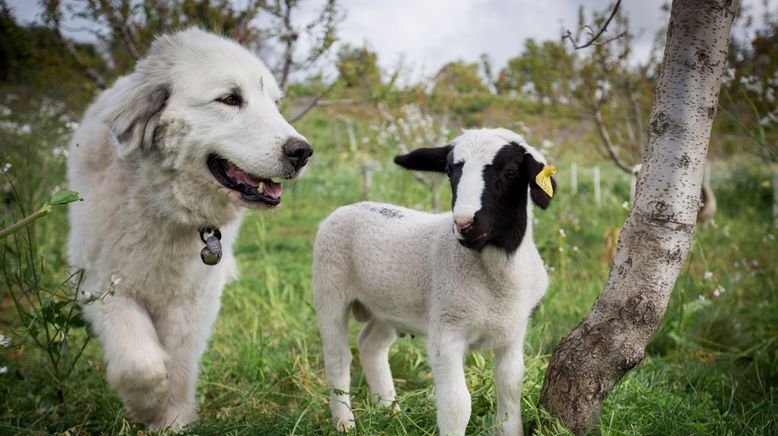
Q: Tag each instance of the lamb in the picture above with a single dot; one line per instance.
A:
(467, 280)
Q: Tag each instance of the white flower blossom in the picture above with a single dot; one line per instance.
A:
(7, 167)
(3, 369)
(5, 342)
(707, 275)
(562, 233)
(115, 279)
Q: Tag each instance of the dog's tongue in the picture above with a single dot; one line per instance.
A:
(272, 189)
(241, 178)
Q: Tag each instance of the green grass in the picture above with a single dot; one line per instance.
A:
(712, 367)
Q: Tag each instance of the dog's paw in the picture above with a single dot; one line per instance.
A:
(143, 386)
(174, 418)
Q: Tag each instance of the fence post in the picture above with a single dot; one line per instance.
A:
(775, 195)
(597, 193)
(574, 178)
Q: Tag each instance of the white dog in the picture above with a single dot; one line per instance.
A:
(179, 145)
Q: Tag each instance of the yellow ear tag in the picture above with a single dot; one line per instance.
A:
(543, 179)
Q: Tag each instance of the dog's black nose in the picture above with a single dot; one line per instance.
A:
(298, 152)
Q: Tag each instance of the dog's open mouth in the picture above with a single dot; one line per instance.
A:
(252, 189)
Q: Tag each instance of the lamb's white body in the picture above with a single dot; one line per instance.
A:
(407, 269)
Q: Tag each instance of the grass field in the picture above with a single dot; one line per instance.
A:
(712, 368)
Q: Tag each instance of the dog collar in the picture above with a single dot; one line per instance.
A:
(211, 254)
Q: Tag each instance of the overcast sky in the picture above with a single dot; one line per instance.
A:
(428, 33)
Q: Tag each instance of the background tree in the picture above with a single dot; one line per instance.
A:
(458, 78)
(658, 233)
(542, 69)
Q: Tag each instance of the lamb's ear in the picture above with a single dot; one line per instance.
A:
(541, 195)
(136, 115)
(425, 159)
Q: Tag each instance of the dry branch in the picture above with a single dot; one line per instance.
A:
(598, 34)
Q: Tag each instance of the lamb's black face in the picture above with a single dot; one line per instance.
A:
(490, 182)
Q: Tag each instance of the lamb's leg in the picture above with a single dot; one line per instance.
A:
(374, 343)
(333, 326)
(509, 372)
(446, 356)
(184, 330)
(136, 363)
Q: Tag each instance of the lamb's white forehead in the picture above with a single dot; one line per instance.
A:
(482, 145)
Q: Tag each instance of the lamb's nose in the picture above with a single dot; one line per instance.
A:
(298, 152)
(463, 224)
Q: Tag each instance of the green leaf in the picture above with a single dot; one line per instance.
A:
(63, 197)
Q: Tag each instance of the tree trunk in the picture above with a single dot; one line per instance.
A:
(656, 238)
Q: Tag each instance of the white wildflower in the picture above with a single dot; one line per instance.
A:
(625, 205)
(3, 369)
(720, 290)
(7, 167)
(115, 279)
(562, 233)
(5, 342)
(707, 275)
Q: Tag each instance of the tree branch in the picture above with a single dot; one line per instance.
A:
(290, 39)
(54, 16)
(595, 37)
(118, 21)
(602, 129)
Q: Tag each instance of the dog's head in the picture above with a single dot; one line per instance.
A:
(199, 116)
(493, 175)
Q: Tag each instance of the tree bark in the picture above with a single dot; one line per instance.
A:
(655, 240)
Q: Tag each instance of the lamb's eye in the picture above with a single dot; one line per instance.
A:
(511, 174)
(231, 100)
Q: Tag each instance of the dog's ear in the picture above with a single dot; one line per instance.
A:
(540, 196)
(136, 116)
(425, 159)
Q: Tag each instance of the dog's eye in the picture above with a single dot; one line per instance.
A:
(231, 100)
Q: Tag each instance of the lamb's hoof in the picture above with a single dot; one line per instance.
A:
(345, 422)
(390, 402)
